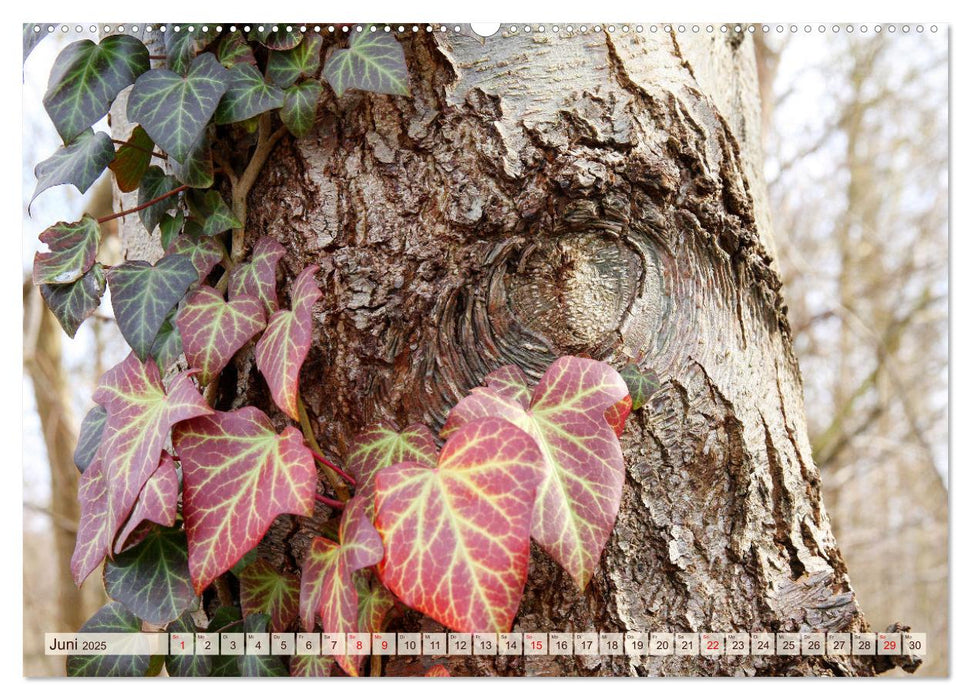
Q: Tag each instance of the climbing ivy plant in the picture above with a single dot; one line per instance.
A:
(177, 493)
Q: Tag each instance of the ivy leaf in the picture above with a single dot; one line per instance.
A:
(113, 618)
(89, 437)
(158, 501)
(374, 62)
(152, 578)
(380, 446)
(140, 415)
(183, 665)
(253, 665)
(142, 295)
(328, 585)
(299, 110)
(374, 602)
(204, 251)
(174, 109)
(617, 414)
(73, 247)
(310, 666)
(279, 40)
(284, 67)
(196, 170)
(167, 345)
(80, 162)
(87, 77)
(225, 619)
(263, 589)
(132, 160)
(248, 95)
(213, 330)
(74, 302)
(284, 346)
(154, 184)
(258, 276)
(238, 475)
(438, 671)
(212, 213)
(641, 383)
(456, 537)
(181, 47)
(169, 227)
(578, 499)
(234, 50)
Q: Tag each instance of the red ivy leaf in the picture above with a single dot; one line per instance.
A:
(456, 537)
(328, 586)
(617, 414)
(284, 346)
(158, 501)
(578, 499)
(213, 330)
(94, 533)
(238, 475)
(438, 671)
(258, 276)
(263, 589)
(140, 415)
(381, 446)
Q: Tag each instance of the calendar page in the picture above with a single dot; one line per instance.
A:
(611, 348)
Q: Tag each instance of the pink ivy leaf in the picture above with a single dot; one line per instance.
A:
(579, 497)
(380, 446)
(213, 330)
(258, 276)
(158, 502)
(456, 536)
(140, 415)
(94, 532)
(238, 475)
(263, 589)
(284, 346)
(328, 586)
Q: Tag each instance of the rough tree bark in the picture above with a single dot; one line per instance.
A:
(548, 194)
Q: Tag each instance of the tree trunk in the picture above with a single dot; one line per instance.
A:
(548, 194)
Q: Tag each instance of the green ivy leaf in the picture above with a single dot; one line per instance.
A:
(299, 110)
(234, 50)
(284, 67)
(154, 184)
(74, 302)
(73, 247)
(170, 226)
(187, 665)
(79, 163)
(87, 77)
(89, 437)
(168, 342)
(132, 160)
(262, 666)
(248, 95)
(374, 62)
(279, 40)
(143, 294)
(211, 212)
(196, 170)
(182, 46)
(307, 666)
(152, 578)
(641, 383)
(204, 251)
(174, 109)
(225, 619)
(263, 589)
(112, 618)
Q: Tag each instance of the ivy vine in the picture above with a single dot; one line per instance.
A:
(176, 494)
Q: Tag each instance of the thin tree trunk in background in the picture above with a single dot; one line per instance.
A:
(43, 362)
(545, 195)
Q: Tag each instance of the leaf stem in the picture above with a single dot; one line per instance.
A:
(328, 501)
(330, 465)
(147, 204)
(308, 433)
(154, 154)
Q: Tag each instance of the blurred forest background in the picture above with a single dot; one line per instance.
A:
(855, 130)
